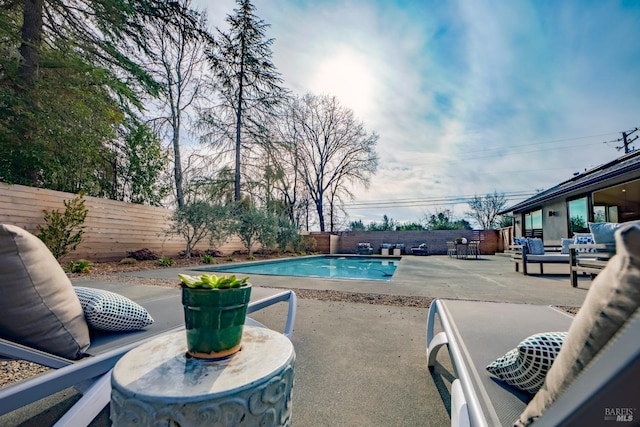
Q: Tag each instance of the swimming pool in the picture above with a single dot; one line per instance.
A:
(332, 267)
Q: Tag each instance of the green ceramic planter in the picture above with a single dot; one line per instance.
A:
(214, 319)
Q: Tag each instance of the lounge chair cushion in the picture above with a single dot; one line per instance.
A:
(109, 311)
(565, 245)
(38, 307)
(614, 296)
(526, 366)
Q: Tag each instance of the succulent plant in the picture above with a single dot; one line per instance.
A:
(211, 281)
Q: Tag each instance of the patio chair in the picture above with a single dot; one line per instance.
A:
(421, 249)
(451, 249)
(364, 249)
(591, 379)
(78, 359)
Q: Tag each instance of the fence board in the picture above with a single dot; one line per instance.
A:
(113, 228)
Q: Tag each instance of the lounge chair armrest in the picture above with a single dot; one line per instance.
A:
(285, 296)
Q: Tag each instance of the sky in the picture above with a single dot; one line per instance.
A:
(469, 97)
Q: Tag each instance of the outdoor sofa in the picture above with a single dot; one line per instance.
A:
(81, 332)
(589, 378)
(533, 251)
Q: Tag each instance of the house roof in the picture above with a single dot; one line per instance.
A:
(618, 167)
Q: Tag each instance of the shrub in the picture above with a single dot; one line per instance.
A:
(207, 259)
(80, 266)
(307, 244)
(165, 261)
(128, 261)
(250, 257)
(143, 254)
(63, 231)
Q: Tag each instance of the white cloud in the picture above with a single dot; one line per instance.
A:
(468, 97)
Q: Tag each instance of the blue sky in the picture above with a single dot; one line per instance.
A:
(469, 97)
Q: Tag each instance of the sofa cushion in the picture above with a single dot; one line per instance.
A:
(535, 246)
(614, 296)
(603, 232)
(109, 311)
(38, 307)
(526, 366)
(520, 241)
(565, 245)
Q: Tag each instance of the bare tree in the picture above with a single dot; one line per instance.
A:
(282, 152)
(245, 79)
(485, 209)
(334, 150)
(181, 68)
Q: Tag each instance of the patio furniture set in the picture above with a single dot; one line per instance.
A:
(388, 249)
(584, 376)
(463, 249)
(588, 375)
(586, 253)
(42, 320)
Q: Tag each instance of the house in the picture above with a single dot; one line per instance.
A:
(607, 193)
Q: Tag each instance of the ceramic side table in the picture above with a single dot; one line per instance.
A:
(158, 384)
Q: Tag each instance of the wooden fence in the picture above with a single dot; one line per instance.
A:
(112, 228)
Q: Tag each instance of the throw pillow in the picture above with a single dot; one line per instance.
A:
(112, 312)
(603, 232)
(526, 366)
(38, 307)
(535, 246)
(565, 245)
(584, 239)
(613, 297)
(520, 241)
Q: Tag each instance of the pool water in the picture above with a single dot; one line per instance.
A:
(332, 267)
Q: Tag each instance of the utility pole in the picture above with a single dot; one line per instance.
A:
(626, 141)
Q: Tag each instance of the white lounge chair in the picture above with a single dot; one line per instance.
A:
(593, 377)
(91, 374)
(29, 273)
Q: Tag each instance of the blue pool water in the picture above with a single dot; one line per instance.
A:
(333, 267)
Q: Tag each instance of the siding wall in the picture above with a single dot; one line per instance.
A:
(112, 228)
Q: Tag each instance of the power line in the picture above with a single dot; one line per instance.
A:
(427, 201)
(625, 141)
(510, 146)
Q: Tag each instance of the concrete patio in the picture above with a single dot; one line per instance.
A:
(364, 364)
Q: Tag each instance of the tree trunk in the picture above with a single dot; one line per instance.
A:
(177, 162)
(320, 214)
(239, 125)
(31, 38)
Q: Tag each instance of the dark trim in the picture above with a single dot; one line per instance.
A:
(581, 181)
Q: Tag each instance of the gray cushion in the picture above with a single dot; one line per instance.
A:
(38, 307)
(109, 311)
(614, 296)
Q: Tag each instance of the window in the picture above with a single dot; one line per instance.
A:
(578, 215)
(533, 224)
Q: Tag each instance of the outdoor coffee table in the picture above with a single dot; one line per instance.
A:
(157, 384)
